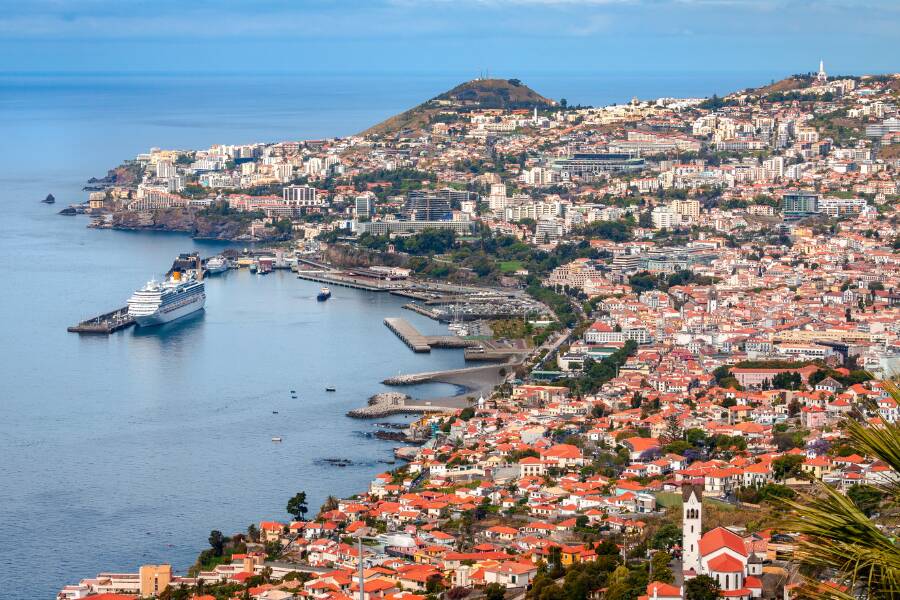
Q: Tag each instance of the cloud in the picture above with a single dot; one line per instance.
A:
(431, 22)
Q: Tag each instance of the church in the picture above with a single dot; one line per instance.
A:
(719, 553)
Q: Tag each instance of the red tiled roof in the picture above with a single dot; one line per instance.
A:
(721, 538)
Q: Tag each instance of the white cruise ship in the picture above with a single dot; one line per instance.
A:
(217, 264)
(158, 303)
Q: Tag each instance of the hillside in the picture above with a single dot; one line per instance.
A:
(478, 93)
(788, 84)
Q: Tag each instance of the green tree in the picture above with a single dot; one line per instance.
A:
(494, 591)
(867, 498)
(217, 542)
(786, 466)
(666, 536)
(701, 587)
(252, 532)
(659, 567)
(435, 584)
(617, 588)
(297, 506)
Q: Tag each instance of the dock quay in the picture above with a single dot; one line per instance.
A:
(332, 279)
(106, 323)
(406, 293)
(417, 342)
(408, 334)
(418, 308)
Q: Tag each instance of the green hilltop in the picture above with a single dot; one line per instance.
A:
(507, 94)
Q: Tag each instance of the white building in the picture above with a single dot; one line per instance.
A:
(664, 218)
(301, 196)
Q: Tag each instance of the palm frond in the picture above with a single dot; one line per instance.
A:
(838, 537)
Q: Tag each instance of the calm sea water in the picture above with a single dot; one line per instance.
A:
(128, 449)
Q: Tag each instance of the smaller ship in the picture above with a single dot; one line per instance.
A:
(330, 389)
(265, 266)
(276, 439)
(324, 294)
(49, 199)
(217, 264)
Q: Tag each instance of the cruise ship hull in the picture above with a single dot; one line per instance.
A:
(165, 316)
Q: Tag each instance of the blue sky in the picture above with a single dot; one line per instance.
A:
(505, 36)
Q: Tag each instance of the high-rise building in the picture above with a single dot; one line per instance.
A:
(800, 204)
(165, 169)
(365, 205)
(686, 208)
(426, 205)
(664, 218)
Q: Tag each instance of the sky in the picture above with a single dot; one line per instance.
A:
(505, 37)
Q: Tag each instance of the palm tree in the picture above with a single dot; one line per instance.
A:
(838, 538)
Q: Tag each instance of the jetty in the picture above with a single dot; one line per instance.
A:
(106, 323)
(332, 278)
(417, 342)
(448, 376)
(393, 403)
(418, 308)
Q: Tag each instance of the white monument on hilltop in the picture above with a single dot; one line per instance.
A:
(822, 76)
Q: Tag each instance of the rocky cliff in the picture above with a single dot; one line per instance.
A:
(192, 222)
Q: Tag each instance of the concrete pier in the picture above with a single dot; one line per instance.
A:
(332, 279)
(408, 334)
(106, 323)
(424, 343)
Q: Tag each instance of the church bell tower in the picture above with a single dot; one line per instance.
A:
(691, 526)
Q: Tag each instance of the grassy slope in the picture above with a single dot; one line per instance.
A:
(484, 93)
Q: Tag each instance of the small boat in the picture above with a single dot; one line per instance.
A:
(276, 439)
(49, 199)
(324, 294)
(253, 267)
(330, 389)
(274, 412)
(293, 391)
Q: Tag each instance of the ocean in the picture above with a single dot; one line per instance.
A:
(123, 450)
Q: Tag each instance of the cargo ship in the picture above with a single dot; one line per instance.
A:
(160, 302)
(324, 294)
